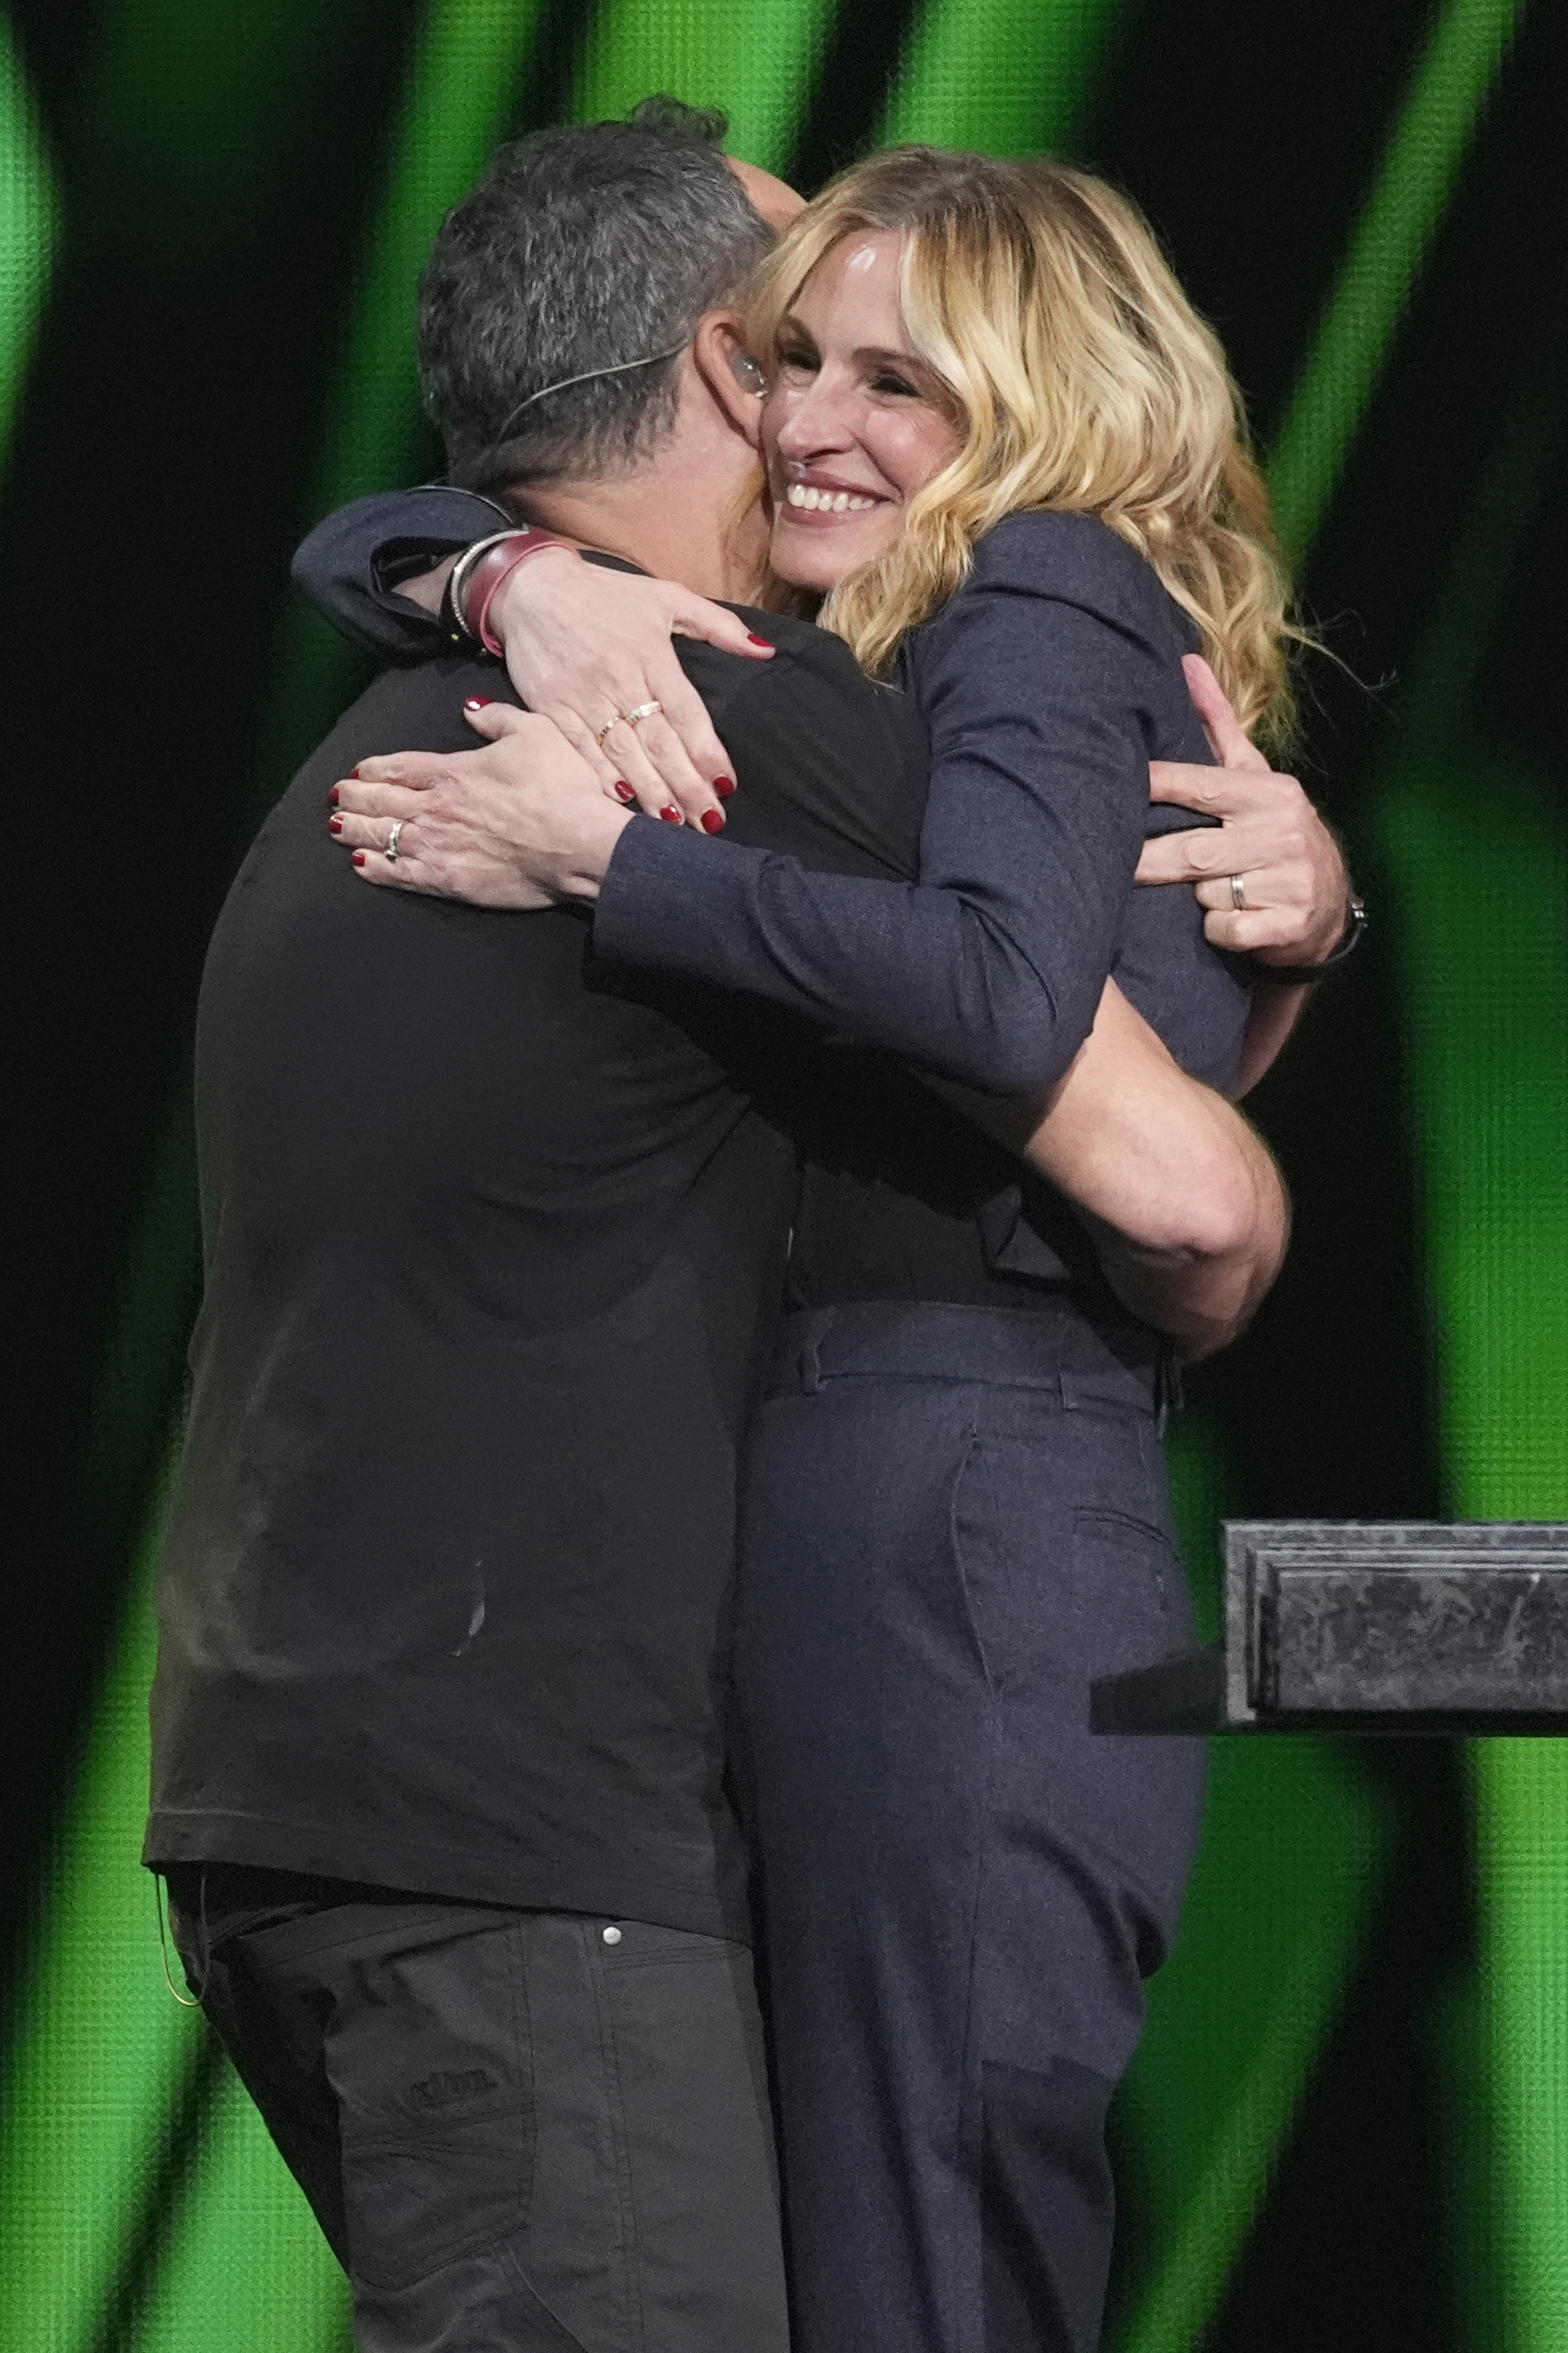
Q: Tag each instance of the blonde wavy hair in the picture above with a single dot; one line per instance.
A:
(1081, 379)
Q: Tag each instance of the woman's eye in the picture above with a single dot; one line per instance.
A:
(800, 361)
(888, 382)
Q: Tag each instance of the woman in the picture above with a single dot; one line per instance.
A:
(1002, 447)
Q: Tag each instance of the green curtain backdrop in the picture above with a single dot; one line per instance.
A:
(227, 205)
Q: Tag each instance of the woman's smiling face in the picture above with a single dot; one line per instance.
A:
(855, 424)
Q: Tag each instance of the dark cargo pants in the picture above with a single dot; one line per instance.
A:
(522, 2132)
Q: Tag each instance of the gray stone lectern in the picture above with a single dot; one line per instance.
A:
(1379, 1626)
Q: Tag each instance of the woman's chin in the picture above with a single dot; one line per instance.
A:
(818, 557)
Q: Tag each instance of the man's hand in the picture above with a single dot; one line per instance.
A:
(1294, 891)
(521, 823)
(1183, 1200)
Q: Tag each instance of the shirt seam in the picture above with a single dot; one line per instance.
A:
(486, 1857)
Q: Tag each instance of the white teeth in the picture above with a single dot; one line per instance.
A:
(802, 494)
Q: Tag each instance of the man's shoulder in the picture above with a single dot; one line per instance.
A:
(426, 697)
(420, 709)
(802, 652)
(813, 682)
(832, 766)
(415, 710)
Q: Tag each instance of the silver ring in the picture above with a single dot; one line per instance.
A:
(1238, 893)
(392, 852)
(644, 710)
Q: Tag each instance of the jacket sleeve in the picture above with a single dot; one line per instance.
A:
(1038, 691)
(350, 566)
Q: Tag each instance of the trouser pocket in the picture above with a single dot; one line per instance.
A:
(428, 2054)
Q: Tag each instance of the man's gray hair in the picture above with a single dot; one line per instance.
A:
(562, 290)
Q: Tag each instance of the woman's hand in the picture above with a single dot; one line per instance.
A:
(585, 645)
(519, 823)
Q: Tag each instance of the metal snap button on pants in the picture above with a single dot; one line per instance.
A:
(518, 2130)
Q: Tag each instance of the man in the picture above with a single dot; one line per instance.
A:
(493, 1238)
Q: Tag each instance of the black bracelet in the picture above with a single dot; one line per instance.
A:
(1299, 975)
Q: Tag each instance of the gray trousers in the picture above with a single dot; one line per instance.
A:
(522, 2132)
(955, 1519)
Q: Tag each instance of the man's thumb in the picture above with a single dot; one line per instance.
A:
(1228, 740)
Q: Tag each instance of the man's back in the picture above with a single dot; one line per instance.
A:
(493, 1240)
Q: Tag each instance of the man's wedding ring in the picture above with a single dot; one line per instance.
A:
(392, 852)
(1238, 892)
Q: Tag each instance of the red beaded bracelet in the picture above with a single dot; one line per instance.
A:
(475, 592)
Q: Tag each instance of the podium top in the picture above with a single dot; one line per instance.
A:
(1374, 1626)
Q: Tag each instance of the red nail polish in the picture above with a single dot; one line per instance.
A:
(623, 792)
(334, 824)
(478, 703)
(713, 821)
(333, 796)
(670, 816)
(755, 639)
(358, 857)
(724, 786)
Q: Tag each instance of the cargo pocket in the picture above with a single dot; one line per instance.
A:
(430, 2061)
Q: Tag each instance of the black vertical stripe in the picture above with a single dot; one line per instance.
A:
(859, 66)
(168, 2189)
(167, 420)
(562, 34)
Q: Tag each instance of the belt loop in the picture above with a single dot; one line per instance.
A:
(819, 1322)
(1067, 1389)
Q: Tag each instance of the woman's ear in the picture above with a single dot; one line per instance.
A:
(730, 374)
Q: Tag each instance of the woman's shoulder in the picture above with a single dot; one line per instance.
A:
(1044, 552)
(1059, 599)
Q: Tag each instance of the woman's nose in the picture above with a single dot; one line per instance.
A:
(815, 420)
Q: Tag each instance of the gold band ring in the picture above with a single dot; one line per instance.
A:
(626, 718)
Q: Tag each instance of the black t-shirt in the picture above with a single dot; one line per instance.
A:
(493, 1239)
(1049, 681)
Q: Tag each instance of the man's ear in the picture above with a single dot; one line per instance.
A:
(732, 377)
